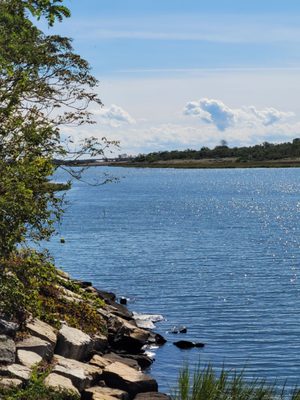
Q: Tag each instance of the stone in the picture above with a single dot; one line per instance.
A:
(7, 350)
(8, 383)
(123, 301)
(119, 310)
(185, 344)
(16, 371)
(28, 358)
(42, 330)
(124, 335)
(73, 343)
(42, 347)
(104, 393)
(178, 329)
(113, 357)
(81, 374)
(152, 396)
(100, 343)
(59, 382)
(143, 360)
(120, 376)
(8, 328)
(100, 361)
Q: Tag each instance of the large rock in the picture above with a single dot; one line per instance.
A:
(9, 383)
(8, 328)
(81, 374)
(7, 350)
(104, 393)
(100, 343)
(152, 396)
(73, 343)
(42, 347)
(113, 357)
(122, 377)
(143, 360)
(124, 335)
(42, 330)
(99, 361)
(59, 382)
(28, 358)
(16, 371)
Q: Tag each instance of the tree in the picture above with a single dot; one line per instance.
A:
(44, 86)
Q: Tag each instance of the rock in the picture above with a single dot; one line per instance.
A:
(178, 329)
(8, 383)
(59, 382)
(113, 357)
(122, 377)
(104, 393)
(123, 301)
(152, 396)
(100, 361)
(82, 284)
(157, 339)
(143, 360)
(28, 358)
(42, 330)
(126, 336)
(106, 296)
(184, 344)
(7, 350)
(81, 374)
(100, 343)
(42, 347)
(63, 274)
(8, 328)
(73, 343)
(16, 371)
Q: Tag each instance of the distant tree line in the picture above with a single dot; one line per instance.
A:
(260, 152)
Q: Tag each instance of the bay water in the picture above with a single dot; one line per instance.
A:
(217, 251)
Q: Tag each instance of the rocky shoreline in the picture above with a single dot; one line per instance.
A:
(104, 366)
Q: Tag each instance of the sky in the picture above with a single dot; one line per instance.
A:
(178, 74)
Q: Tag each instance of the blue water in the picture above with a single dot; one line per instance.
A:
(215, 250)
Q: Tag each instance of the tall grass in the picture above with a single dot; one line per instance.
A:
(205, 384)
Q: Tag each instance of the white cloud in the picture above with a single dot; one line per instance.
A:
(215, 112)
(114, 116)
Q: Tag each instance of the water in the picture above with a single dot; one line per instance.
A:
(215, 250)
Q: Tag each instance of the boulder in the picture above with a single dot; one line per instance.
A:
(59, 382)
(81, 374)
(28, 358)
(100, 343)
(104, 393)
(8, 383)
(7, 350)
(73, 343)
(113, 357)
(119, 310)
(42, 347)
(99, 361)
(152, 396)
(42, 330)
(185, 344)
(126, 336)
(16, 371)
(120, 376)
(143, 360)
(8, 328)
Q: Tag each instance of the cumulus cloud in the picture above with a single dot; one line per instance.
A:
(114, 116)
(217, 113)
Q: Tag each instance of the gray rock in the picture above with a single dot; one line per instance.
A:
(59, 382)
(8, 383)
(104, 393)
(43, 331)
(122, 377)
(100, 343)
(28, 358)
(16, 371)
(73, 343)
(8, 328)
(81, 374)
(113, 357)
(42, 347)
(99, 361)
(7, 350)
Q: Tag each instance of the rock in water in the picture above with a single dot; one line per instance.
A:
(185, 344)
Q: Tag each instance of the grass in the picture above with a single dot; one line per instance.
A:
(205, 384)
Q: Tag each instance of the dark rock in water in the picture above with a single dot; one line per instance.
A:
(106, 296)
(178, 329)
(185, 344)
(123, 300)
(159, 339)
(62, 240)
(8, 328)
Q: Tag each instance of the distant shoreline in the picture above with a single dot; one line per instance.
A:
(194, 164)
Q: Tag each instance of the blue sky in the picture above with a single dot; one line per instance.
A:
(189, 73)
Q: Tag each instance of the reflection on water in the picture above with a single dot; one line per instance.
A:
(214, 250)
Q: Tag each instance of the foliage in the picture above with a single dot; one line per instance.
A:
(261, 152)
(205, 384)
(36, 390)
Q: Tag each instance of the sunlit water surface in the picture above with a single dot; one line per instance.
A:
(215, 250)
